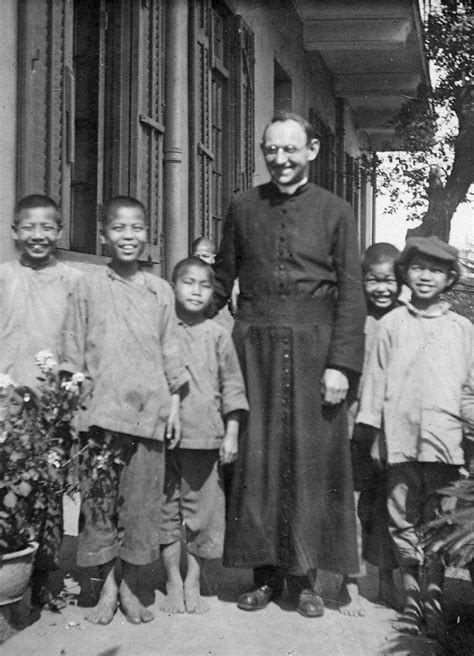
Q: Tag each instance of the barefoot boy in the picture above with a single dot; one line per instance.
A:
(33, 297)
(415, 385)
(210, 413)
(381, 292)
(121, 331)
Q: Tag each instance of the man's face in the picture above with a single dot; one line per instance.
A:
(287, 152)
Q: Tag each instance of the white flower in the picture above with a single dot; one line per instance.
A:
(73, 384)
(54, 460)
(78, 378)
(46, 361)
(6, 381)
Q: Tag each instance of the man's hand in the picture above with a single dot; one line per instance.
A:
(173, 425)
(334, 386)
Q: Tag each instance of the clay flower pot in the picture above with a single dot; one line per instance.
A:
(15, 573)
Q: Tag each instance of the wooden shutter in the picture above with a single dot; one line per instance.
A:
(245, 105)
(42, 135)
(201, 153)
(147, 116)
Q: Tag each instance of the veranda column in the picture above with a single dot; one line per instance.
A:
(176, 208)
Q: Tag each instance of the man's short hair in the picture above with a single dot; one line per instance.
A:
(283, 115)
(192, 262)
(117, 202)
(379, 253)
(33, 201)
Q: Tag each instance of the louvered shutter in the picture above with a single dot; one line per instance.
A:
(245, 105)
(147, 114)
(201, 153)
(43, 141)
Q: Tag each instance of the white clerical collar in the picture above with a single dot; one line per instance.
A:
(290, 189)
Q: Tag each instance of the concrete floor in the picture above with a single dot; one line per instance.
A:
(225, 630)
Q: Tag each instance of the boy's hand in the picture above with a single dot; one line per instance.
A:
(173, 425)
(334, 386)
(228, 449)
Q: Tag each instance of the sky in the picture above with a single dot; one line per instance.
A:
(392, 227)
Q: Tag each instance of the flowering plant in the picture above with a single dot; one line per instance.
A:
(36, 442)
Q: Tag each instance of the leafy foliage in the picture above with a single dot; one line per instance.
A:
(428, 127)
(451, 537)
(36, 441)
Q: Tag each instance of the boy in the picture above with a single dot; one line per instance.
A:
(33, 299)
(381, 291)
(416, 385)
(210, 415)
(204, 249)
(120, 331)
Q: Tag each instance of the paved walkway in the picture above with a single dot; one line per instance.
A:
(227, 631)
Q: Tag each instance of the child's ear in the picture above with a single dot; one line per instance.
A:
(451, 278)
(14, 231)
(103, 238)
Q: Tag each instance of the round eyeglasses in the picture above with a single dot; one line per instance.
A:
(272, 151)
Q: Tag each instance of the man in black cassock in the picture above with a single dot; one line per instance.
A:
(299, 336)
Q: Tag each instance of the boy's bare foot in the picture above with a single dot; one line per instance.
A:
(131, 606)
(192, 599)
(103, 613)
(349, 599)
(174, 600)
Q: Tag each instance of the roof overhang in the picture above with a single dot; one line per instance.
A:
(374, 50)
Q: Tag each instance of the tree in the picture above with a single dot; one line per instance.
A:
(436, 130)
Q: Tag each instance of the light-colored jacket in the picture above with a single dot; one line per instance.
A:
(418, 386)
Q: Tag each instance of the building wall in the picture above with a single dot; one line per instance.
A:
(278, 39)
(8, 111)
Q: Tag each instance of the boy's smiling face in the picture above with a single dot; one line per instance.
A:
(125, 232)
(36, 233)
(381, 286)
(427, 278)
(193, 290)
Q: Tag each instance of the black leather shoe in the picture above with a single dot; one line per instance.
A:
(310, 604)
(257, 599)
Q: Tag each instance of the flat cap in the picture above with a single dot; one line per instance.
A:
(432, 246)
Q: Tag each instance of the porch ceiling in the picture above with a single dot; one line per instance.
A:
(374, 49)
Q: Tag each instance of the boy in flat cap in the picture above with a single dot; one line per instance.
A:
(418, 386)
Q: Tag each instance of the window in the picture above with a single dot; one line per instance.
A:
(222, 118)
(282, 90)
(322, 169)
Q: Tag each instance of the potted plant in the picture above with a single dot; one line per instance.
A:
(36, 442)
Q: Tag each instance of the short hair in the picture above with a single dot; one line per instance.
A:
(200, 240)
(192, 262)
(379, 253)
(117, 202)
(283, 115)
(33, 201)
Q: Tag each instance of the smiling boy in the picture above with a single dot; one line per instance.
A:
(211, 412)
(416, 386)
(120, 331)
(33, 299)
